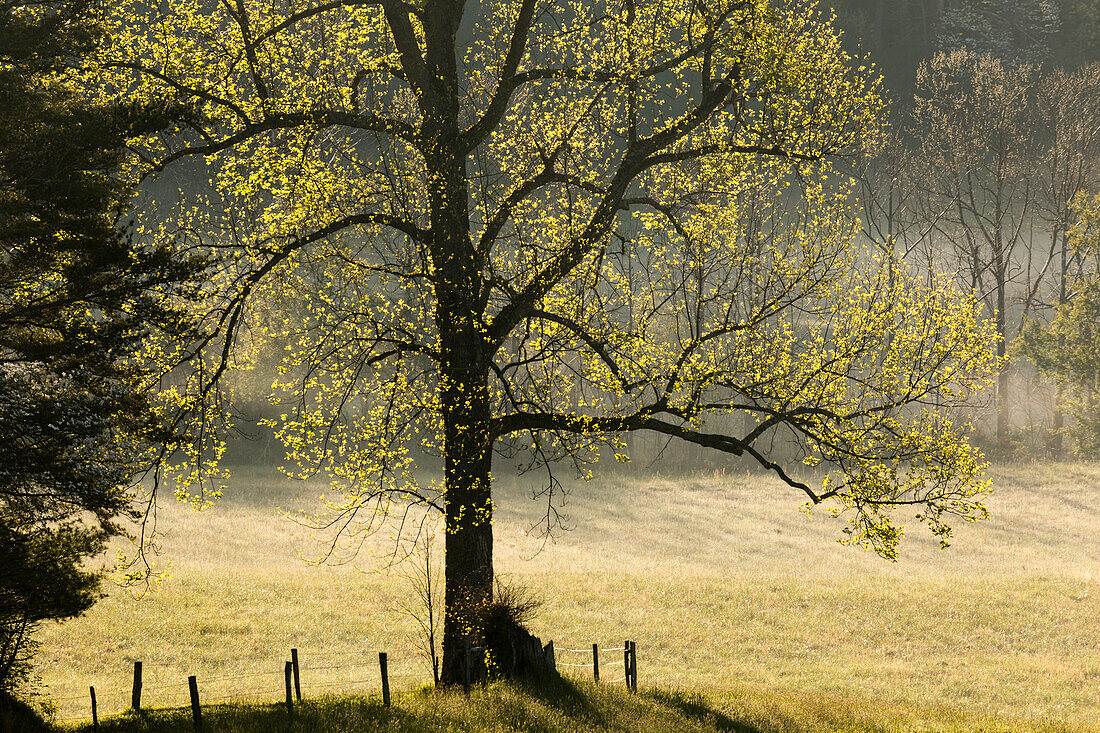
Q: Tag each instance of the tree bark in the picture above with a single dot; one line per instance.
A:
(465, 360)
(469, 514)
(1056, 443)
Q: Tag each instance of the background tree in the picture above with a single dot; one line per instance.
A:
(76, 300)
(442, 184)
(1068, 110)
(1079, 39)
(892, 183)
(897, 34)
(974, 117)
(1066, 349)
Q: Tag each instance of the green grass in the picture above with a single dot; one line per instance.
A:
(545, 706)
(731, 593)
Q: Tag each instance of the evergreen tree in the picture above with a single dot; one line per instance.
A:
(76, 299)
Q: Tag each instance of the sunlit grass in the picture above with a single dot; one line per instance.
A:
(728, 589)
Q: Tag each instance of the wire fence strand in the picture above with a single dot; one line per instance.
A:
(358, 674)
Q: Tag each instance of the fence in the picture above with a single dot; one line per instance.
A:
(628, 662)
(284, 684)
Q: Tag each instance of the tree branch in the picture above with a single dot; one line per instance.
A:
(322, 117)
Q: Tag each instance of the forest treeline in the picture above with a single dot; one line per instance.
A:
(901, 34)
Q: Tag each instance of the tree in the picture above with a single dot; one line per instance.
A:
(77, 299)
(1069, 113)
(455, 190)
(1079, 40)
(975, 120)
(891, 182)
(898, 34)
(425, 608)
(1065, 350)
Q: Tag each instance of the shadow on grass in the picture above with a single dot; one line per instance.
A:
(356, 712)
(547, 704)
(695, 707)
(564, 695)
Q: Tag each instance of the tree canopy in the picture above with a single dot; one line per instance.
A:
(530, 226)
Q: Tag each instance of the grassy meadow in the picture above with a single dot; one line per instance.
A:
(731, 592)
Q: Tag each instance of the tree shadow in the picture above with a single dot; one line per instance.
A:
(562, 694)
(575, 701)
(696, 707)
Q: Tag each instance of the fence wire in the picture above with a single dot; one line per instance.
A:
(404, 664)
(326, 670)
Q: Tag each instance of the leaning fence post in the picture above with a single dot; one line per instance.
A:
(466, 669)
(288, 672)
(383, 667)
(135, 696)
(196, 711)
(297, 682)
(596, 662)
(95, 713)
(626, 662)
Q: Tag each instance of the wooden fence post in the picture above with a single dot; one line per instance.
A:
(135, 696)
(466, 669)
(297, 682)
(383, 666)
(196, 711)
(288, 672)
(95, 713)
(596, 662)
(626, 662)
(634, 666)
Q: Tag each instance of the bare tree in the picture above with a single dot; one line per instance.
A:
(423, 571)
(1069, 110)
(974, 117)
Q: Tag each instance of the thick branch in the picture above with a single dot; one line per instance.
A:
(404, 37)
(639, 157)
(518, 422)
(480, 129)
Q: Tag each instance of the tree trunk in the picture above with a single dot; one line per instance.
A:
(1003, 422)
(469, 514)
(1058, 428)
(464, 359)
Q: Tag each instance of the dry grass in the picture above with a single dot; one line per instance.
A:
(729, 590)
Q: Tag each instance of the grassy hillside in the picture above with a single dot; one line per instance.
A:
(729, 590)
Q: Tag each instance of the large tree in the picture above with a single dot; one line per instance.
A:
(521, 226)
(77, 300)
(1068, 107)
